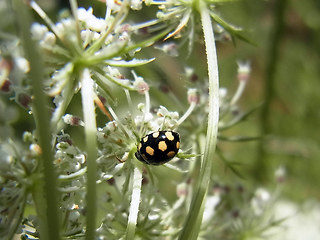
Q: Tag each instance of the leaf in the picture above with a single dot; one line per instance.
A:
(114, 49)
(131, 63)
(175, 168)
(233, 30)
(103, 78)
(239, 118)
(230, 164)
(148, 42)
(181, 25)
(239, 138)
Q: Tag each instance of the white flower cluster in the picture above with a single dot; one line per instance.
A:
(163, 119)
(91, 22)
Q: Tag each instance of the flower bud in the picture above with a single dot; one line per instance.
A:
(244, 70)
(140, 85)
(72, 120)
(193, 96)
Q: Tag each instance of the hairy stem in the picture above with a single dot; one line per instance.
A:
(193, 222)
(90, 127)
(134, 205)
(44, 188)
(261, 169)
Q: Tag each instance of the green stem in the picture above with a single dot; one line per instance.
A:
(261, 169)
(45, 195)
(90, 127)
(56, 119)
(134, 205)
(193, 222)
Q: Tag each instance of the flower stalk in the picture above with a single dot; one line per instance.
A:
(192, 225)
(90, 127)
(47, 207)
(134, 205)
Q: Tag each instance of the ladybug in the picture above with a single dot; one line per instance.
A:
(158, 147)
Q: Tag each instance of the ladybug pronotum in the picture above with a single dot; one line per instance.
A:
(158, 147)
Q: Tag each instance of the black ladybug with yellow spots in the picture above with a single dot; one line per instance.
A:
(158, 147)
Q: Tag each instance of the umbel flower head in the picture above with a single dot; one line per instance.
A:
(182, 19)
(83, 41)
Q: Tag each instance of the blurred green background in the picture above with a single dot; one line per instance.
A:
(285, 63)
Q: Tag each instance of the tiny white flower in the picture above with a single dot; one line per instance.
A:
(111, 126)
(38, 31)
(22, 64)
(110, 38)
(113, 5)
(91, 21)
(140, 85)
(162, 111)
(35, 149)
(97, 24)
(124, 36)
(88, 35)
(262, 194)
(260, 200)
(148, 117)
(80, 158)
(189, 71)
(114, 72)
(280, 174)
(65, 27)
(100, 135)
(244, 67)
(193, 95)
(125, 156)
(72, 120)
(182, 189)
(84, 15)
(210, 207)
(169, 48)
(244, 70)
(136, 4)
(223, 92)
(5, 162)
(49, 39)
(75, 167)
(141, 107)
(71, 151)
(153, 216)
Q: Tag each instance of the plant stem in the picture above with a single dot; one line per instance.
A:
(261, 169)
(45, 194)
(134, 205)
(193, 222)
(187, 113)
(90, 127)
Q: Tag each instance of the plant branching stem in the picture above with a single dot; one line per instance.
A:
(261, 168)
(193, 222)
(44, 191)
(134, 205)
(90, 127)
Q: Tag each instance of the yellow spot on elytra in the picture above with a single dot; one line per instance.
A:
(178, 145)
(139, 146)
(155, 134)
(169, 136)
(150, 150)
(162, 146)
(145, 139)
(171, 154)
